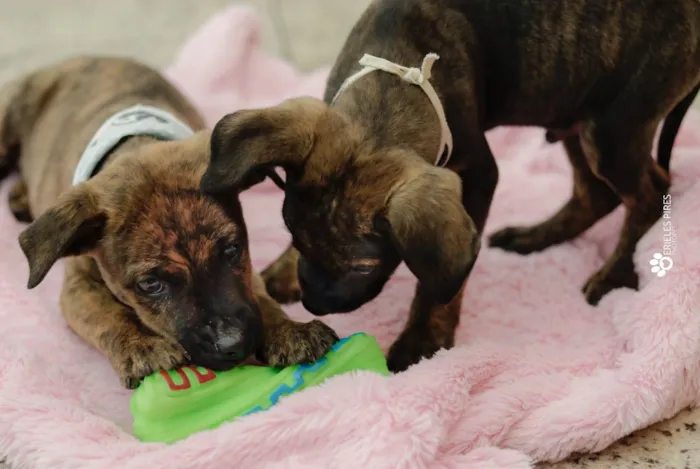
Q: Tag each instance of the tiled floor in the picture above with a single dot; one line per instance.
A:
(308, 32)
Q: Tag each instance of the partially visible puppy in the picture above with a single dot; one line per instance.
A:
(371, 181)
(158, 275)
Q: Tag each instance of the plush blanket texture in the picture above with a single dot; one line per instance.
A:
(537, 373)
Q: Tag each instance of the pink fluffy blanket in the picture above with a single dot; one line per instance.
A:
(537, 374)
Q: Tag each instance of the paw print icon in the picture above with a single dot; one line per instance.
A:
(660, 264)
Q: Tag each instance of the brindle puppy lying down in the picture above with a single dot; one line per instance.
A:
(363, 189)
(158, 274)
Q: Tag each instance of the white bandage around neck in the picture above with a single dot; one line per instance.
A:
(414, 76)
(139, 120)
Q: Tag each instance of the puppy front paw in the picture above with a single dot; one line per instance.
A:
(146, 356)
(292, 343)
(409, 350)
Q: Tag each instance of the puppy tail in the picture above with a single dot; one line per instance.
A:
(670, 129)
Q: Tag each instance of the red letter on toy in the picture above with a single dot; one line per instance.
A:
(171, 384)
(203, 377)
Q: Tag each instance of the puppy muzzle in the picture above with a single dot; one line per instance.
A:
(223, 342)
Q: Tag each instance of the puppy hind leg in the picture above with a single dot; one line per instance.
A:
(641, 184)
(19, 202)
(9, 151)
(618, 146)
(9, 138)
(591, 200)
(21, 103)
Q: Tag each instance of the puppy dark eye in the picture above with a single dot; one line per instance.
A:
(232, 252)
(150, 286)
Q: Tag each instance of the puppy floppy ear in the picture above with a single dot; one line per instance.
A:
(433, 233)
(71, 227)
(248, 144)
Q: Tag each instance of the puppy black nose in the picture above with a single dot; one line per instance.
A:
(223, 340)
(227, 337)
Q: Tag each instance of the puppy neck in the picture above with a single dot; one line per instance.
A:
(392, 114)
(135, 121)
(126, 145)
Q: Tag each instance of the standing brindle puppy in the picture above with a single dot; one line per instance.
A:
(362, 192)
(158, 274)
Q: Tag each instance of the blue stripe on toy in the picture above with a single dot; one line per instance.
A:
(285, 389)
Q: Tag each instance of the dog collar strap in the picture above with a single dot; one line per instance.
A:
(414, 76)
(133, 121)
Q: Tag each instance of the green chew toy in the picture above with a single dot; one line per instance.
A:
(169, 406)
